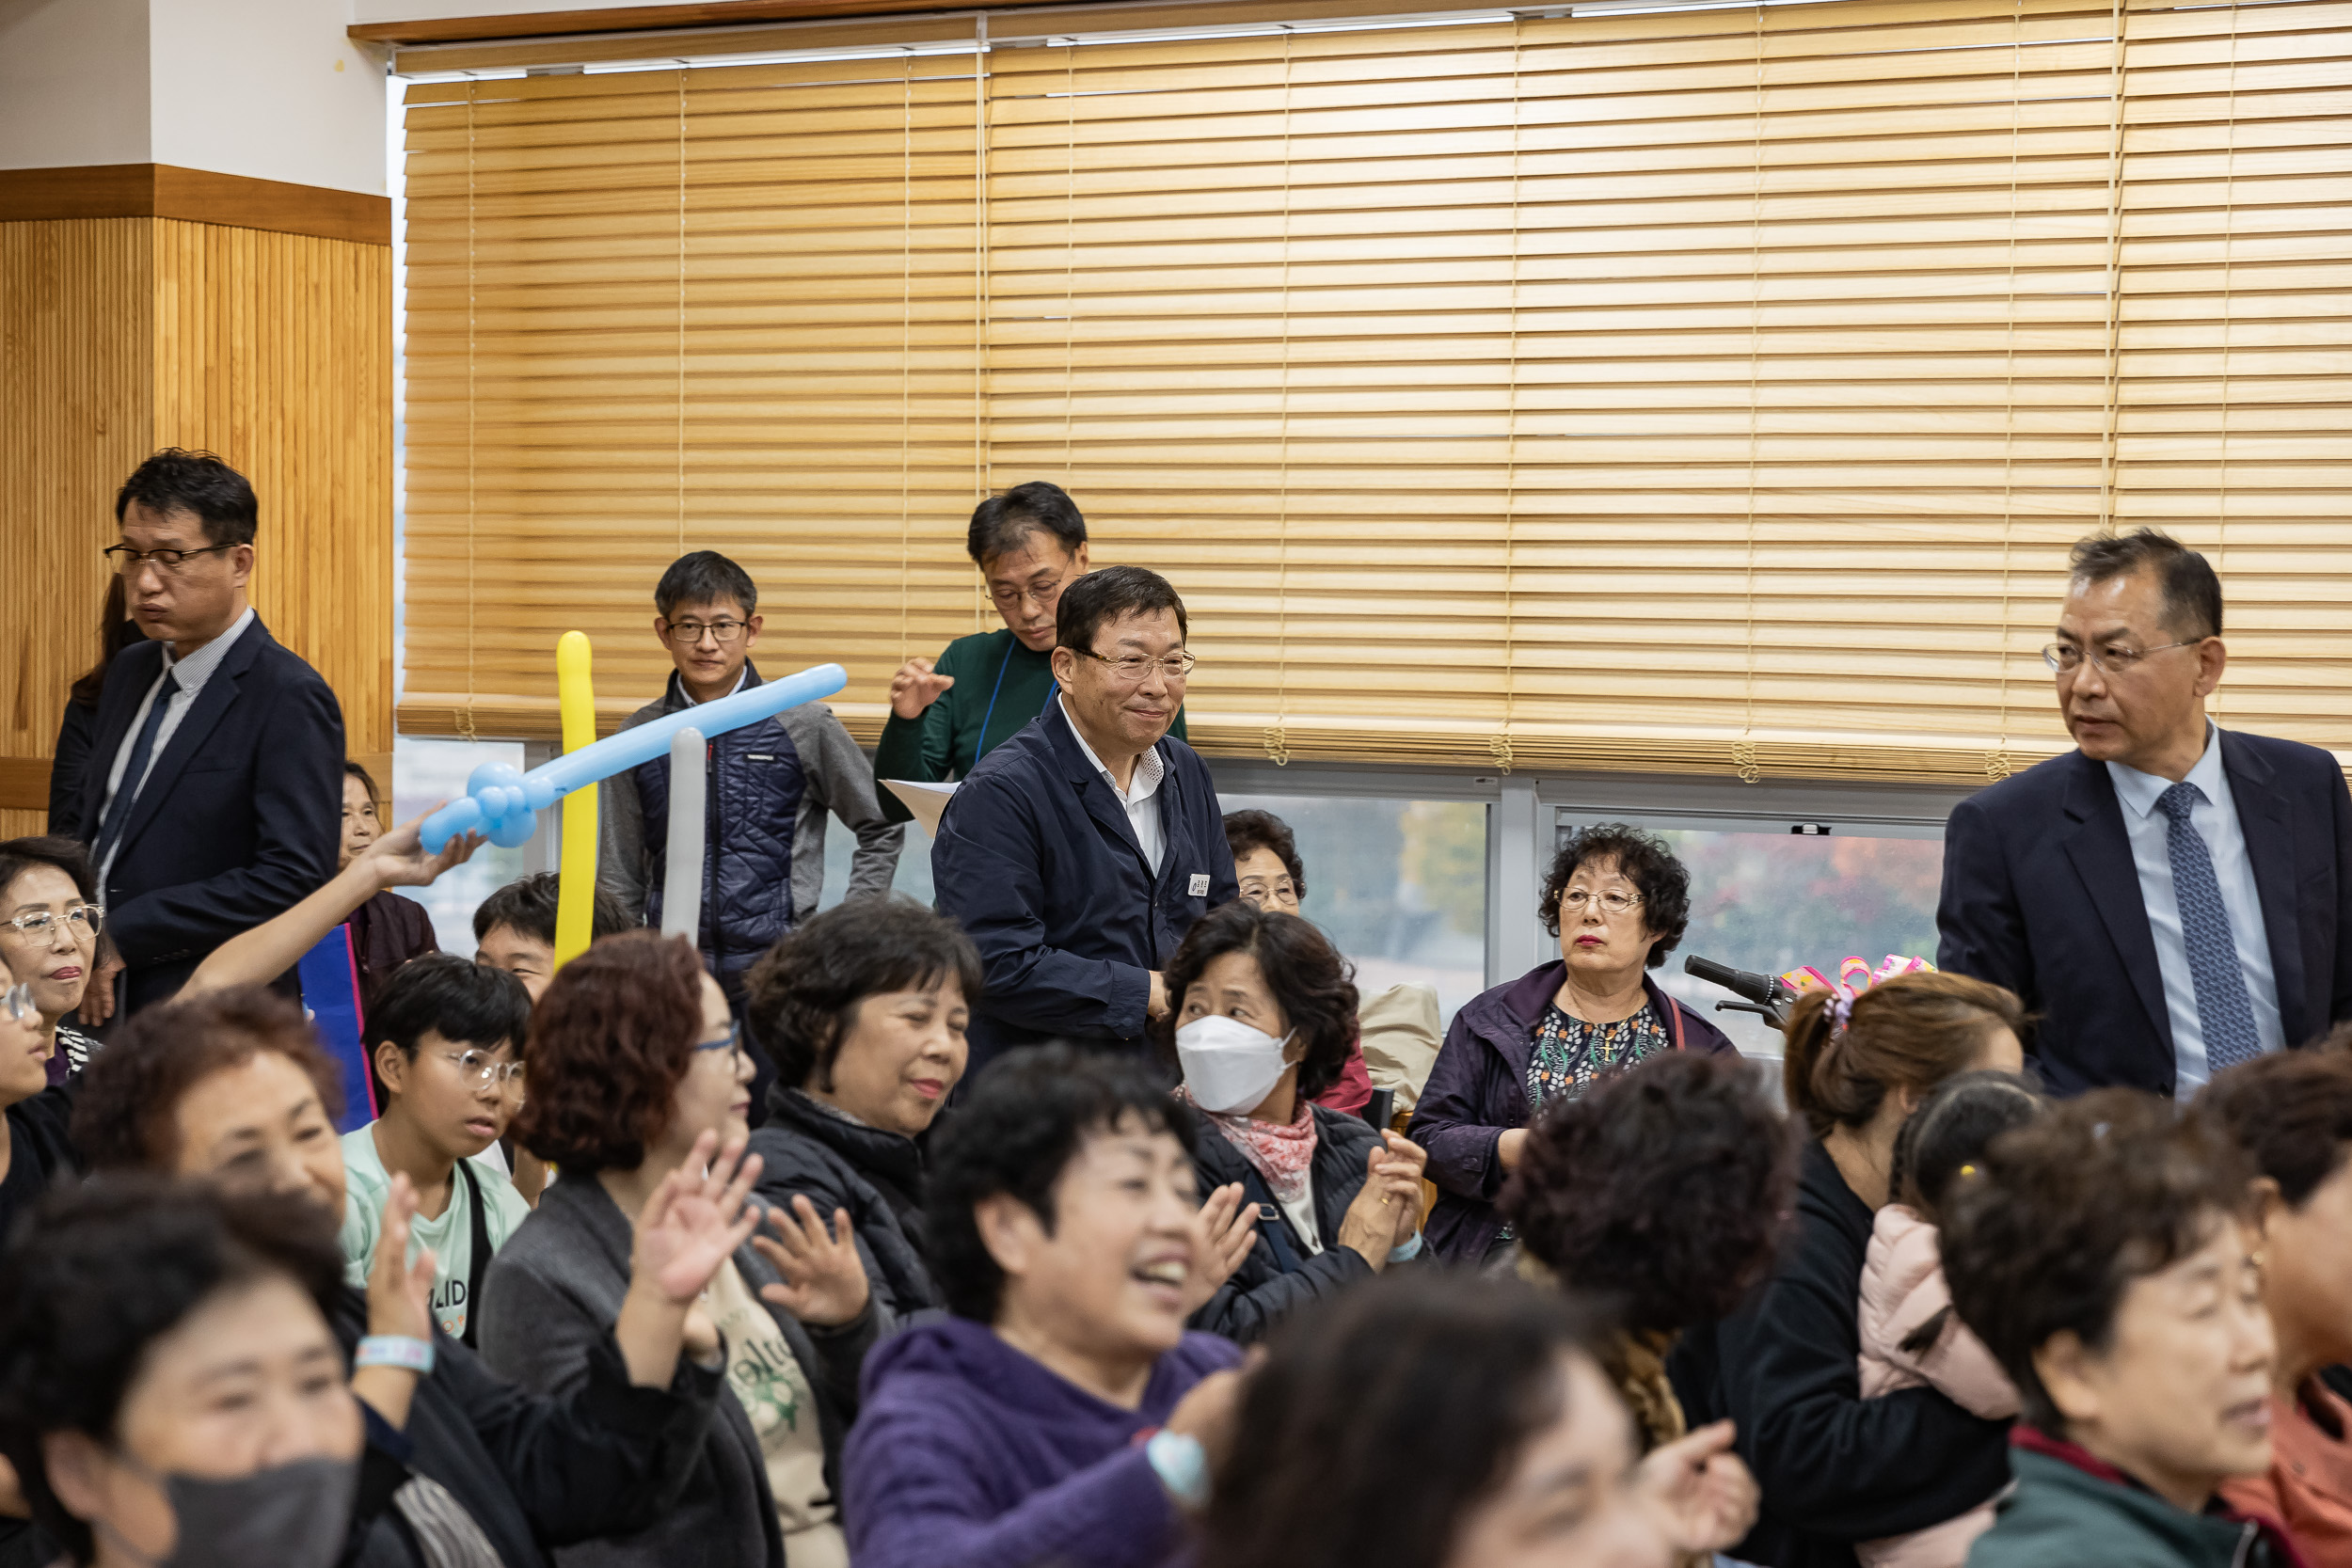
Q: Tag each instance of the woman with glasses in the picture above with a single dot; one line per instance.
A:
(443, 1035)
(50, 921)
(1030, 544)
(1618, 901)
(632, 1060)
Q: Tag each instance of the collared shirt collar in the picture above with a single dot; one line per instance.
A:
(740, 676)
(195, 670)
(1149, 767)
(2139, 791)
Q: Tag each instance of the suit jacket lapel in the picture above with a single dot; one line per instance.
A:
(196, 726)
(118, 705)
(2101, 854)
(2263, 817)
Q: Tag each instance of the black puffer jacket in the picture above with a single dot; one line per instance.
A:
(1280, 1275)
(807, 1148)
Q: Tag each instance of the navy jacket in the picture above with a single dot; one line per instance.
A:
(1280, 1275)
(1477, 1091)
(241, 815)
(1036, 859)
(2040, 895)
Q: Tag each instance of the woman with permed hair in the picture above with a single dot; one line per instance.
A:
(1618, 901)
(1264, 1013)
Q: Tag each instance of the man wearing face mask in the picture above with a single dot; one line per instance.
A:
(1079, 852)
(170, 1393)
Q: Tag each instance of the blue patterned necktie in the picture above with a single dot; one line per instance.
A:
(2225, 1015)
(135, 771)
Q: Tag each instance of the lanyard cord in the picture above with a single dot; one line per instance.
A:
(979, 744)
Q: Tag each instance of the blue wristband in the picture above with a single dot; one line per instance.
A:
(1406, 1253)
(394, 1349)
(1181, 1464)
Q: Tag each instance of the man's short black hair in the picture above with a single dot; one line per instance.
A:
(2192, 594)
(95, 1273)
(2066, 1211)
(527, 904)
(1028, 1113)
(1100, 598)
(803, 995)
(705, 577)
(1642, 859)
(1245, 831)
(465, 1004)
(1001, 522)
(177, 480)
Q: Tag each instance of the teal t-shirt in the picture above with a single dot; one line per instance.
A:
(367, 1183)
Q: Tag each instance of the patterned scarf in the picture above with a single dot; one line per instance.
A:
(1284, 1156)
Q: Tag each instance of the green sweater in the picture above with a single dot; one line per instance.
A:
(2061, 1515)
(1000, 686)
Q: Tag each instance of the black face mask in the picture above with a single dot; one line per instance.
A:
(286, 1515)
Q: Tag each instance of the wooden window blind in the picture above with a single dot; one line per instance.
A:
(1707, 391)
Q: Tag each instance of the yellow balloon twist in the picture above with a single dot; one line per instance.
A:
(576, 899)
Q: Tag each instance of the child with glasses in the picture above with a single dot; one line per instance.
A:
(445, 1042)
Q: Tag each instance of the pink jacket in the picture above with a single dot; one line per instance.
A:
(1902, 1287)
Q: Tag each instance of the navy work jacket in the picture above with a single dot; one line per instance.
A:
(1036, 858)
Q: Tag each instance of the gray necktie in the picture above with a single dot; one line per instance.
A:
(2225, 1015)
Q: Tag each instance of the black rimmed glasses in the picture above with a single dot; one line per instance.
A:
(123, 559)
(687, 633)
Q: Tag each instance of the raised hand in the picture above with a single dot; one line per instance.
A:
(1701, 1489)
(824, 1279)
(398, 859)
(913, 688)
(1223, 1234)
(400, 1292)
(694, 1221)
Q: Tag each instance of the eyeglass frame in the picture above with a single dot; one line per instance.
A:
(1024, 594)
(126, 560)
(18, 1000)
(1586, 897)
(493, 1072)
(733, 1044)
(1191, 662)
(97, 919)
(2053, 651)
(672, 628)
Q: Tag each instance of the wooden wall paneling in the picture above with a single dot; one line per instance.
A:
(76, 315)
(275, 351)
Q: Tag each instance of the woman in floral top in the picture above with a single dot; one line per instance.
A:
(1618, 900)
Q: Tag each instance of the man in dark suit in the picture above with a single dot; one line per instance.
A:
(2170, 898)
(1081, 850)
(214, 796)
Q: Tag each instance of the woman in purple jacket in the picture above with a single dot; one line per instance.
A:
(1618, 901)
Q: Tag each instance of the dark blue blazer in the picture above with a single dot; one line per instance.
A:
(241, 817)
(2040, 895)
(1036, 858)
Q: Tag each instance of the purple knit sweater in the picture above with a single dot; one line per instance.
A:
(969, 1454)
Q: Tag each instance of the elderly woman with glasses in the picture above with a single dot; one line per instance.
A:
(49, 924)
(632, 1063)
(1618, 901)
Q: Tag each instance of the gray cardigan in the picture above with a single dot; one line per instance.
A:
(554, 1291)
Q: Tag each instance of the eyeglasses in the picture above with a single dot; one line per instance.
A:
(39, 925)
(126, 560)
(1012, 598)
(1615, 901)
(478, 1068)
(731, 1045)
(18, 1001)
(2066, 658)
(687, 633)
(1132, 669)
(1258, 890)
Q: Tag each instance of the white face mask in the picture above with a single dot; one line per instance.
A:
(1229, 1067)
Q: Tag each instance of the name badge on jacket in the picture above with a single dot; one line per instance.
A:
(1199, 886)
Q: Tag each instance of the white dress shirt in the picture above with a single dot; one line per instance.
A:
(192, 673)
(1140, 799)
(2216, 821)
